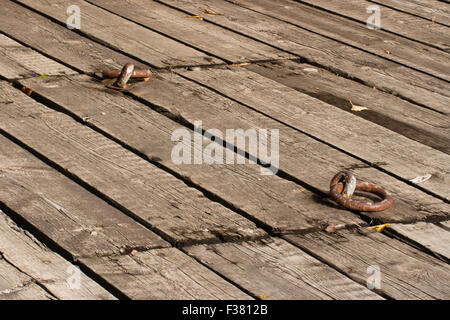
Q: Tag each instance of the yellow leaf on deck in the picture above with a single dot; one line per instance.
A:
(380, 227)
(197, 17)
(209, 11)
(357, 108)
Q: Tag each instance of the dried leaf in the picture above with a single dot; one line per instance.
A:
(357, 108)
(421, 179)
(197, 17)
(380, 227)
(210, 12)
(243, 64)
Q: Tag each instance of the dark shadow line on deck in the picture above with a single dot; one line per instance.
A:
(319, 8)
(374, 165)
(407, 12)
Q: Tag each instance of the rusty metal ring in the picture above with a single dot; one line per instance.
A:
(125, 75)
(339, 191)
(137, 74)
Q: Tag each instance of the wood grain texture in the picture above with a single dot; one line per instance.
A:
(74, 218)
(406, 25)
(433, 237)
(338, 57)
(302, 157)
(16, 285)
(403, 157)
(417, 123)
(149, 194)
(280, 204)
(17, 61)
(123, 35)
(58, 41)
(432, 10)
(219, 42)
(36, 263)
(278, 270)
(163, 274)
(378, 42)
(406, 273)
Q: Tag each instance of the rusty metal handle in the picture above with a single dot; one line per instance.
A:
(137, 73)
(344, 184)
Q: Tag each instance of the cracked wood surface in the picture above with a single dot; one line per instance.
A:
(343, 59)
(151, 195)
(79, 222)
(394, 21)
(412, 121)
(123, 35)
(17, 61)
(433, 10)
(275, 269)
(434, 238)
(30, 267)
(163, 274)
(282, 205)
(302, 157)
(406, 273)
(403, 157)
(219, 42)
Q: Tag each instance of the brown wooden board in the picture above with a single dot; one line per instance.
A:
(17, 61)
(406, 273)
(373, 70)
(191, 30)
(281, 205)
(275, 269)
(302, 157)
(123, 35)
(34, 263)
(69, 215)
(151, 195)
(434, 238)
(417, 123)
(432, 10)
(163, 274)
(16, 285)
(58, 41)
(384, 44)
(399, 23)
(402, 157)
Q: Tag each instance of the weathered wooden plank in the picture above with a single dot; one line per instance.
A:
(210, 38)
(151, 195)
(163, 274)
(69, 215)
(430, 236)
(123, 35)
(15, 285)
(343, 59)
(405, 272)
(58, 41)
(394, 21)
(385, 44)
(432, 10)
(17, 61)
(417, 123)
(37, 263)
(401, 156)
(275, 269)
(302, 157)
(277, 203)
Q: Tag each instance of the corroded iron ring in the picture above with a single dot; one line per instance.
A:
(125, 75)
(344, 184)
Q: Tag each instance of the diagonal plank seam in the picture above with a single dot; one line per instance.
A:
(374, 165)
(360, 22)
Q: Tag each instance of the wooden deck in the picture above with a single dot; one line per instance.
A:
(93, 206)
